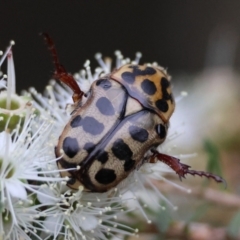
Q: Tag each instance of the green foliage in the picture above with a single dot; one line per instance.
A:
(163, 219)
(234, 226)
(214, 163)
(1, 204)
(13, 116)
(200, 212)
(13, 104)
(14, 120)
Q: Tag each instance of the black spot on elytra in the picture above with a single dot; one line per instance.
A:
(148, 87)
(147, 71)
(161, 130)
(103, 157)
(65, 164)
(162, 105)
(164, 85)
(121, 150)
(89, 146)
(105, 176)
(92, 126)
(105, 106)
(128, 165)
(128, 77)
(76, 121)
(104, 83)
(70, 146)
(138, 134)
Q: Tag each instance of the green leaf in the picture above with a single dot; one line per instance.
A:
(199, 212)
(214, 163)
(233, 228)
(163, 220)
(1, 204)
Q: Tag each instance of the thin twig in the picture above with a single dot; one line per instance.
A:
(215, 196)
(183, 231)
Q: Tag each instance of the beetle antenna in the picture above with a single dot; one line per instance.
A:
(60, 72)
(52, 48)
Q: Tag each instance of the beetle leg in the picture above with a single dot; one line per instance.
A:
(60, 72)
(180, 168)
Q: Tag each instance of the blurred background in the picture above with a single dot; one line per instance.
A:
(198, 42)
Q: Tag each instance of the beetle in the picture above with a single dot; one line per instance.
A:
(118, 128)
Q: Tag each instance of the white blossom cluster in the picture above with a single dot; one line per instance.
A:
(35, 202)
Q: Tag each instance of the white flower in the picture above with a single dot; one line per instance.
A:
(81, 215)
(24, 152)
(23, 223)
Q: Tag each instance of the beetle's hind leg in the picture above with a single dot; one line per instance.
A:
(60, 72)
(180, 168)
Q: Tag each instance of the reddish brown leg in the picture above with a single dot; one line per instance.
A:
(180, 168)
(60, 72)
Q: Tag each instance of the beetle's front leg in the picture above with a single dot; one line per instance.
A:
(180, 168)
(60, 72)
